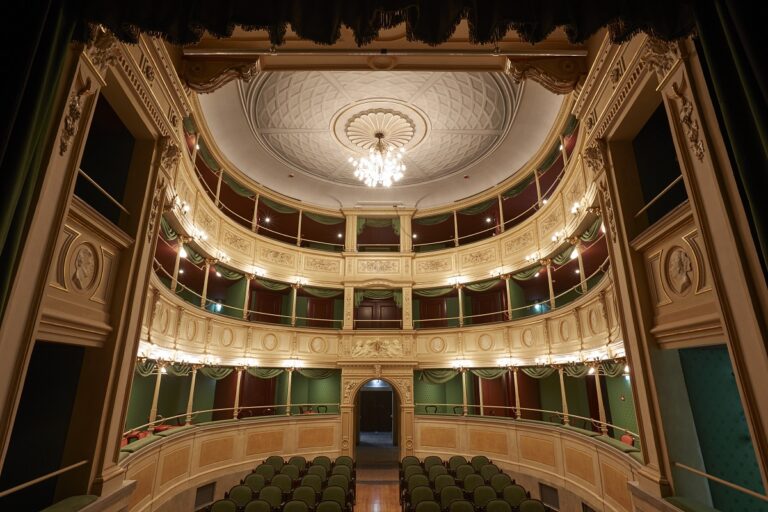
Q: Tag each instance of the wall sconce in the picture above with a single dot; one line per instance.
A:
(456, 280)
(577, 207)
(460, 365)
(198, 234)
(300, 281)
(558, 236)
(258, 271)
(222, 256)
(532, 258)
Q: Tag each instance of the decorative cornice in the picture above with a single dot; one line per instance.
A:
(558, 75)
(660, 55)
(206, 77)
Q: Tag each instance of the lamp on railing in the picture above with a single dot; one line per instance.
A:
(198, 234)
(532, 258)
(258, 271)
(558, 236)
(456, 280)
(577, 207)
(292, 364)
(460, 365)
(222, 256)
(178, 204)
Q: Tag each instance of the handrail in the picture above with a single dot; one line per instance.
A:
(161, 421)
(658, 196)
(726, 483)
(104, 192)
(39, 479)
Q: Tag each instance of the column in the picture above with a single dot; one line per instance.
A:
(160, 366)
(349, 308)
(548, 263)
(350, 241)
(582, 277)
(561, 372)
(518, 414)
(455, 229)
(218, 188)
(538, 187)
(480, 392)
(501, 214)
(236, 409)
(562, 150)
(294, 291)
(506, 278)
(463, 391)
(288, 398)
(208, 263)
(195, 149)
(407, 308)
(298, 234)
(247, 298)
(406, 233)
(460, 287)
(177, 264)
(190, 400)
(255, 219)
(600, 405)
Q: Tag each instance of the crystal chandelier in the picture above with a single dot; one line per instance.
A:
(383, 164)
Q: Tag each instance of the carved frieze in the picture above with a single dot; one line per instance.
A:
(72, 119)
(523, 241)
(660, 55)
(103, 49)
(236, 242)
(322, 264)
(593, 157)
(281, 258)
(689, 122)
(475, 258)
(433, 265)
(559, 75)
(205, 220)
(378, 266)
(378, 348)
(169, 154)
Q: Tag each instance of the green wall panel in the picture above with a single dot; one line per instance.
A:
(622, 411)
(140, 401)
(174, 393)
(549, 393)
(205, 392)
(578, 400)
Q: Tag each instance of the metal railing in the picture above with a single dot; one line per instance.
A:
(718, 480)
(42, 478)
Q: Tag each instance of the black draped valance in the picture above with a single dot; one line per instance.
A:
(428, 21)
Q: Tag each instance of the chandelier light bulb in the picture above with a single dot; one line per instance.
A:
(382, 166)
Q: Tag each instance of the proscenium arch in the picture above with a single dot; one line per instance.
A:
(396, 413)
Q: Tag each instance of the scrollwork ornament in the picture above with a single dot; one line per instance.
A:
(169, 154)
(605, 194)
(72, 119)
(593, 157)
(689, 122)
(104, 49)
(660, 55)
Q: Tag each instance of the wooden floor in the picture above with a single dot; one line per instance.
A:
(377, 476)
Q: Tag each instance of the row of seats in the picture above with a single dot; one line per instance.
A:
(276, 486)
(459, 485)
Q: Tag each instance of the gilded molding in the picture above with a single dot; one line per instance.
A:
(689, 121)
(72, 119)
(660, 55)
(558, 75)
(103, 50)
(206, 77)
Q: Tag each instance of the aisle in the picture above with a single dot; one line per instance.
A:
(377, 476)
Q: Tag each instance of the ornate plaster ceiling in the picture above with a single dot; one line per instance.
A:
(293, 131)
(314, 120)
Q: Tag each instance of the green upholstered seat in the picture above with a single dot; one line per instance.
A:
(306, 494)
(531, 505)
(450, 494)
(428, 506)
(314, 481)
(624, 447)
(463, 471)
(478, 461)
(328, 506)
(432, 460)
(322, 460)
(461, 506)
(482, 495)
(258, 506)
(689, 505)
(472, 482)
(514, 494)
(295, 506)
(290, 470)
(488, 470)
(275, 461)
(224, 506)
(582, 431)
(435, 471)
(240, 494)
(255, 481)
(498, 506)
(345, 460)
(72, 503)
(499, 481)
(334, 493)
(174, 431)
(272, 495)
(456, 461)
(442, 481)
(141, 443)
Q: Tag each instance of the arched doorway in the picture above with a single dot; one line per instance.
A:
(377, 420)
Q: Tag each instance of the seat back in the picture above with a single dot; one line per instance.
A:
(313, 481)
(499, 481)
(428, 506)
(272, 495)
(488, 470)
(464, 470)
(450, 494)
(265, 470)
(345, 460)
(298, 461)
(531, 505)
(456, 461)
(419, 494)
(284, 482)
(224, 506)
(443, 481)
(478, 461)
(328, 506)
(319, 471)
(498, 506)
(432, 460)
(240, 494)
(628, 439)
(339, 480)
(412, 470)
(334, 493)
(435, 471)
(322, 460)
(295, 506)
(255, 481)
(342, 470)
(275, 461)
(258, 506)
(417, 481)
(430, 409)
(472, 482)
(409, 460)
(482, 495)
(461, 506)
(514, 494)
(306, 494)
(290, 470)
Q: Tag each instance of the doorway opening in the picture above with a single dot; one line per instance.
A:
(377, 421)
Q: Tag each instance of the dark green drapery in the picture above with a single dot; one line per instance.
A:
(271, 285)
(325, 220)
(236, 187)
(592, 232)
(397, 295)
(527, 274)
(145, 368)
(437, 376)
(378, 223)
(264, 373)
(538, 372)
(317, 373)
(322, 293)
(227, 273)
(515, 190)
(434, 220)
(38, 40)
(489, 373)
(216, 372)
(167, 231)
(279, 208)
(434, 292)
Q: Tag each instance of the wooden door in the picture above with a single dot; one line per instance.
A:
(376, 411)
(432, 312)
(319, 310)
(489, 303)
(266, 302)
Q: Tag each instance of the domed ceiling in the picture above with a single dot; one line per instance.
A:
(294, 131)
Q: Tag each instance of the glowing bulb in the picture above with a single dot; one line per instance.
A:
(339, 235)
(266, 220)
(626, 369)
(163, 370)
(183, 253)
(543, 201)
(561, 147)
(415, 236)
(574, 253)
(488, 220)
(197, 147)
(577, 271)
(218, 274)
(591, 370)
(181, 271)
(602, 227)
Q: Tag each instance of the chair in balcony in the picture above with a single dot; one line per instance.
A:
(428, 506)
(255, 481)
(313, 481)
(430, 409)
(514, 495)
(265, 470)
(275, 461)
(482, 495)
(322, 460)
(499, 481)
(306, 494)
(472, 482)
(272, 495)
(295, 506)
(432, 460)
(498, 506)
(450, 494)
(461, 506)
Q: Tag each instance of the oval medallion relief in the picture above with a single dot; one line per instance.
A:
(679, 270)
(485, 342)
(165, 320)
(191, 330)
(83, 267)
(565, 330)
(594, 324)
(527, 338)
(437, 345)
(318, 345)
(269, 342)
(227, 337)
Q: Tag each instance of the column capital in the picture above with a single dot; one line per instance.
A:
(545, 262)
(210, 262)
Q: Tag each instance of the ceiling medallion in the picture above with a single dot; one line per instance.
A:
(384, 133)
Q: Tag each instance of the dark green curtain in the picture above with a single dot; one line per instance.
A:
(434, 220)
(437, 376)
(538, 372)
(227, 273)
(731, 38)
(527, 274)
(264, 373)
(216, 372)
(397, 295)
(179, 369)
(489, 373)
(612, 368)
(564, 256)
(325, 220)
(167, 231)
(279, 208)
(37, 42)
(317, 373)
(519, 187)
(237, 187)
(576, 370)
(434, 292)
(145, 368)
(322, 293)
(592, 232)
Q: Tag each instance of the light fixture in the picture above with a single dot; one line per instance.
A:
(544, 201)
(382, 166)
(218, 274)
(339, 235)
(415, 236)
(217, 307)
(258, 271)
(591, 370)
(266, 220)
(602, 227)
(576, 271)
(182, 252)
(576, 208)
(574, 253)
(197, 147)
(181, 271)
(560, 148)
(488, 220)
(626, 368)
